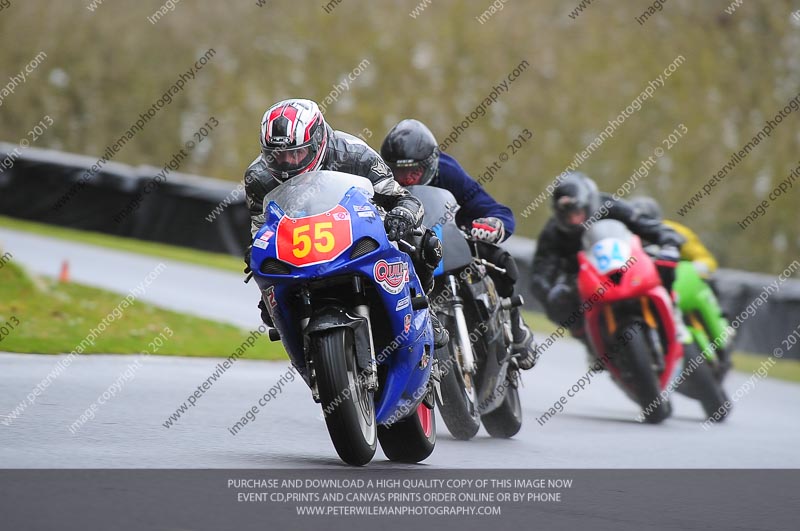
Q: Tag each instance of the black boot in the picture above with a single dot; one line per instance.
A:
(440, 335)
(524, 346)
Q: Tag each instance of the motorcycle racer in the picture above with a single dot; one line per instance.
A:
(296, 139)
(692, 249)
(576, 203)
(411, 151)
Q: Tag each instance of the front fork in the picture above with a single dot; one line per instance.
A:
(305, 298)
(650, 321)
(362, 309)
(369, 377)
(467, 355)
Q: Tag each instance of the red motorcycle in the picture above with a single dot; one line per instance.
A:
(628, 316)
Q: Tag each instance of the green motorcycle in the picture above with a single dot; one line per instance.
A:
(703, 317)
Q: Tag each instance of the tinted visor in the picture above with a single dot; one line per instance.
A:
(408, 174)
(569, 211)
(291, 159)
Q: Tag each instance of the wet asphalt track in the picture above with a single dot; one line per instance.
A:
(596, 429)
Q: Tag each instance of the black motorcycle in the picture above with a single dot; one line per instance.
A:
(477, 374)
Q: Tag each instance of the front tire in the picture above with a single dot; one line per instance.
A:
(349, 408)
(505, 421)
(636, 366)
(702, 384)
(457, 406)
(411, 439)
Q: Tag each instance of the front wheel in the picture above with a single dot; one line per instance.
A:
(505, 421)
(348, 407)
(703, 385)
(457, 406)
(636, 366)
(411, 439)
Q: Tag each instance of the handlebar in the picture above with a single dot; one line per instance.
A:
(490, 265)
(408, 246)
(655, 252)
(652, 250)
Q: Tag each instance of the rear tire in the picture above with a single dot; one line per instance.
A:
(505, 421)
(636, 367)
(457, 408)
(412, 439)
(350, 408)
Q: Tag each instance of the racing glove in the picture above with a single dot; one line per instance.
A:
(669, 254)
(399, 223)
(561, 295)
(562, 300)
(489, 230)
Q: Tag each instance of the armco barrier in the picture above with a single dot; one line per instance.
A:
(36, 185)
(33, 181)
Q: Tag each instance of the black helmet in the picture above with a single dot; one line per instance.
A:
(575, 201)
(411, 152)
(647, 206)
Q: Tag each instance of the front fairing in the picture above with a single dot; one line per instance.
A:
(637, 277)
(637, 280)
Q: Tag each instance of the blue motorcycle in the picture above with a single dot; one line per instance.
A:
(351, 313)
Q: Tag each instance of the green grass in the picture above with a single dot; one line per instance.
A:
(788, 370)
(183, 254)
(55, 317)
(539, 323)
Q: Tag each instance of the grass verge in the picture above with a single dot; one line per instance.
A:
(788, 370)
(48, 317)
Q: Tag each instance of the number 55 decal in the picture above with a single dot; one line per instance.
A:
(314, 239)
(324, 240)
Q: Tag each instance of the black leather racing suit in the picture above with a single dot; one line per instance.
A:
(556, 257)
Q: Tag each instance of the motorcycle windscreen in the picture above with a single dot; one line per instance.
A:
(607, 244)
(316, 192)
(440, 214)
